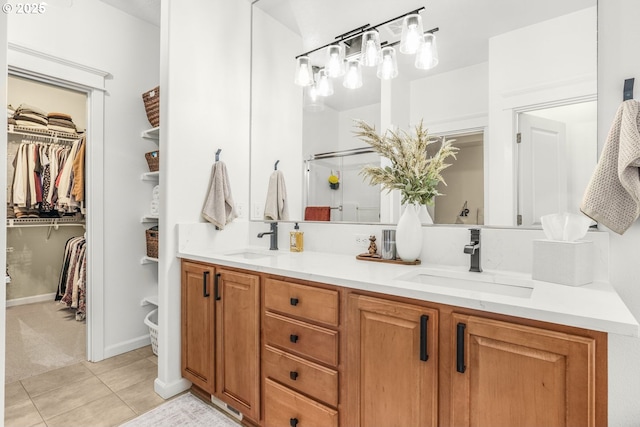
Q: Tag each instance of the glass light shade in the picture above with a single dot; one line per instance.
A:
(370, 53)
(411, 34)
(312, 101)
(388, 67)
(304, 73)
(324, 83)
(335, 61)
(427, 56)
(353, 75)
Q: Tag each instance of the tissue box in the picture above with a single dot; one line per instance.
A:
(566, 263)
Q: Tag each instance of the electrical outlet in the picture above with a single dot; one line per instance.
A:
(256, 211)
(240, 210)
(362, 239)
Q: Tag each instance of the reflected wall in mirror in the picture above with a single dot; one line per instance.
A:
(498, 60)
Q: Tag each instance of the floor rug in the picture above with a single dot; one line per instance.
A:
(185, 410)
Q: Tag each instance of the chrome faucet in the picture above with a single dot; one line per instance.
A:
(273, 242)
(473, 249)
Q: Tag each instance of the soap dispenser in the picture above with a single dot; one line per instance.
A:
(296, 239)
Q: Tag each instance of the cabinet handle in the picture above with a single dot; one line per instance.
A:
(294, 301)
(205, 276)
(293, 338)
(216, 287)
(293, 422)
(423, 337)
(460, 367)
(293, 375)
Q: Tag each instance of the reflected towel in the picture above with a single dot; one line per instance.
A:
(218, 206)
(275, 207)
(317, 213)
(613, 195)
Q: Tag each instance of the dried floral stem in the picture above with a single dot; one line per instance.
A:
(412, 172)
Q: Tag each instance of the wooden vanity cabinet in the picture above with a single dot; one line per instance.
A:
(301, 354)
(221, 334)
(198, 325)
(513, 375)
(392, 363)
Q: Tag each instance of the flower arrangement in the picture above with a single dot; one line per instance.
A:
(411, 171)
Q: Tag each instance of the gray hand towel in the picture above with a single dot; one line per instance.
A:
(613, 195)
(275, 207)
(219, 207)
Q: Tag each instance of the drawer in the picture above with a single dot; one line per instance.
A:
(308, 302)
(306, 377)
(285, 407)
(302, 338)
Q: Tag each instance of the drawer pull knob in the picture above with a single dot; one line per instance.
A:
(294, 301)
(293, 338)
(293, 422)
(293, 375)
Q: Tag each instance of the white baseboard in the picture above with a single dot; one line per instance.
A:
(30, 300)
(167, 391)
(123, 347)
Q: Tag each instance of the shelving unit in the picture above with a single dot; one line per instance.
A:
(152, 177)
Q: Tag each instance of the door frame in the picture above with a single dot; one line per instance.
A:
(45, 68)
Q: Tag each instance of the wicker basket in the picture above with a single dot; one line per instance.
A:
(153, 160)
(151, 320)
(152, 105)
(152, 242)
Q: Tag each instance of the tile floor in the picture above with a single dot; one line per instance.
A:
(106, 393)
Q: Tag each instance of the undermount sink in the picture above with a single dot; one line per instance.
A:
(252, 254)
(479, 282)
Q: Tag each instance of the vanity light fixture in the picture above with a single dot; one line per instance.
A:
(324, 83)
(362, 47)
(370, 52)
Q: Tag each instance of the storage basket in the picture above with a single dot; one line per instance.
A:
(152, 242)
(151, 320)
(152, 105)
(153, 160)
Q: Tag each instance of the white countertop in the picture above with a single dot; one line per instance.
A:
(595, 306)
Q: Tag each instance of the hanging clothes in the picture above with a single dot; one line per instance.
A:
(72, 284)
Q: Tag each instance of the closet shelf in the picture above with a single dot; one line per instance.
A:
(149, 218)
(150, 176)
(44, 222)
(52, 135)
(148, 260)
(153, 133)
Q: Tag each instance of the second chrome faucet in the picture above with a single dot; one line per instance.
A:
(473, 249)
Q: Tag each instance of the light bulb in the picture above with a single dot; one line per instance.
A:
(335, 61)
(324, 84)
(353, 76)
(304, 73)
(427, 56)
(370, 53)
(411, 34)
(388, 67)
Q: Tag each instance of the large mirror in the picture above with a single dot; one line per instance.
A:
(515, 86)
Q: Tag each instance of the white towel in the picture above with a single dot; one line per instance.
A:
(613, 195)
(219, 207)
(275, 207)
(155, 208)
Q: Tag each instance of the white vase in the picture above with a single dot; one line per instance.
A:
(409, 234)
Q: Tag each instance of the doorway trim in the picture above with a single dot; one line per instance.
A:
(35, 65)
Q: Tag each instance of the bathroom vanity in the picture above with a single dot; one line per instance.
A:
(315, 339)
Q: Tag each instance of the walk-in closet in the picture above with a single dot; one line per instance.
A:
(46, 237)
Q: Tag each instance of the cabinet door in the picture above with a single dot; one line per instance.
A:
(198, 312)
(238, 341)
(513, 375)
(392, 364)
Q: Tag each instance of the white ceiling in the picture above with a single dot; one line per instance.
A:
(147, 10)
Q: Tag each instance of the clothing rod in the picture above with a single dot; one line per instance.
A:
(50, 224)
(41, 133)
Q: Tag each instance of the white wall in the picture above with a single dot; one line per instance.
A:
(618, 34)
(539, 64)
(346, 125)
(205, 107)
(98, 36)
